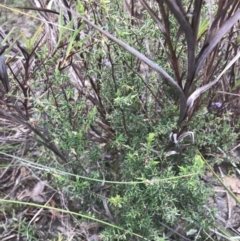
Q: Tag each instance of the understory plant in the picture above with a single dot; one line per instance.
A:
(127, 92)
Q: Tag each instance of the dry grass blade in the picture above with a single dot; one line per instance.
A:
(39, 9)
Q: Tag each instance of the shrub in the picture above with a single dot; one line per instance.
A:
(104, 114)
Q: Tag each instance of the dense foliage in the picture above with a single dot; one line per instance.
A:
(104, 110)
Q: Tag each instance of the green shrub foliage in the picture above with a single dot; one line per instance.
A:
(107, 115)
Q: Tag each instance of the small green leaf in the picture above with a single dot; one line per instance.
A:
(199, 161)
(80, 7)
(150, 138)
(116, 201)
(203, 27)
(61, 28)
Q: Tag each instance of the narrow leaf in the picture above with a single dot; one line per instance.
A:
(206, 87)
(36, 34)
(61, 28)
(186, 28)
(215, 39)
(73, 37)
(196, 18)
(3, 69)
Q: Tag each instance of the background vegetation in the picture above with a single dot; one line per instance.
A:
(111, 104)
